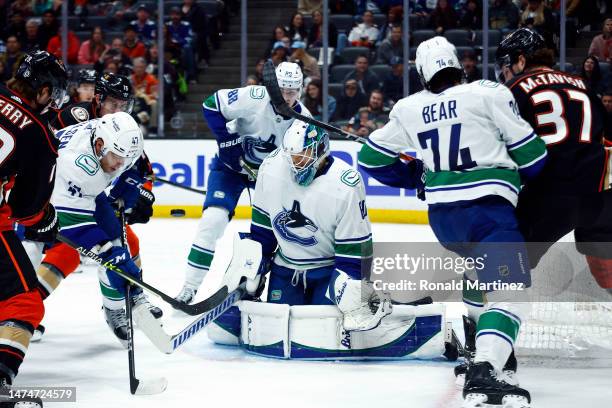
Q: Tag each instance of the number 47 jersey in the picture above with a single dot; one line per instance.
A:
(572, 121)
(470, 136)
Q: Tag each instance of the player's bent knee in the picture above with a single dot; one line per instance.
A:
(64, 258)
(27, 307)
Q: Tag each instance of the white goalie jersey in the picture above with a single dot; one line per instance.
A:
(323, 224)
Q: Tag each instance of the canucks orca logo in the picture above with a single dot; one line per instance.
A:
(256, 149)
(288, 222)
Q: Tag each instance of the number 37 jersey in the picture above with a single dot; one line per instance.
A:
(471, 137)
(572, 122)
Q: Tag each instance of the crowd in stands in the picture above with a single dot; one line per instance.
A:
(367, 60)
(121, 37)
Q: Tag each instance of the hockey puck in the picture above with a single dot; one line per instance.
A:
(177, 212)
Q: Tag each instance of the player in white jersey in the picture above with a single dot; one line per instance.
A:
(247, 127)
(92, 155)
(478, 150)
(311, 219)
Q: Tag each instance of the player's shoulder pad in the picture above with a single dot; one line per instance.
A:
(79, 113)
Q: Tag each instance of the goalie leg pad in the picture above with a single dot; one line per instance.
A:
(226, 328)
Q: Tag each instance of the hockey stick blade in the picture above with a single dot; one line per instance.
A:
(192, 310)
(276, 97)
(150, 387)
(166, 343)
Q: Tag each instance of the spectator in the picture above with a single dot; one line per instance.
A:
(2, 69)
(144, 26)
(123, 11)
(55, 46)
(278, 34)
(591, 73)
(443, 17)
(145, 88)
(503, 15)
(86, 87)
(252, 80)
(12, 57)
(40, 6)
(309, 64)
(48, 28)
(111, 66)
(32, 40)
(366, 33)
(606, 99)
(391, 47)
(601, 46)
(296, 29)
(171, 91)
(114, 53)
(424, 8)
(132, 46)
(350, 101)
(367, 80)
(372, 117)
(180, 33)
(471, 15)
(540, 18)
(472, 73)
(196, 16)
(343, 7)
(16, 26)
(23, 7)
(309, 6)
(313, 100)
(279, 53)
(394, 18)
(259, 70)
(91, 50)
(315, 38)
(393, 84)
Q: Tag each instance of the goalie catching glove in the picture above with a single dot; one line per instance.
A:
(245, 267)
(361, 305)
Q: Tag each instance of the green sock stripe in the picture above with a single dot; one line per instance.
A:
(200, 258)
(110, 293)
(471, 295)
(493, 321)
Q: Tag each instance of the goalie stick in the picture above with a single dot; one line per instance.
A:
(193, 310)
(276, 97)
(169, 343)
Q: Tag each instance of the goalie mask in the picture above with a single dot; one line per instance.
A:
(305, 147)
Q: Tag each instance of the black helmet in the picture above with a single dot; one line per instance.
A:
(87, 76)
(116, 86)
(39, 68)
(524, 41)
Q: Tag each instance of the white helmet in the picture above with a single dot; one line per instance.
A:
(305, 146)
(289, 75)
(120, 134)
(435, 55)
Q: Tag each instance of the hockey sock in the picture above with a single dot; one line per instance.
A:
(111, 297)
(474, 300)
(49, 278)
(211, 227)
(497, 330)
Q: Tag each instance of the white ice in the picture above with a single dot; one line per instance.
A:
(78, 350)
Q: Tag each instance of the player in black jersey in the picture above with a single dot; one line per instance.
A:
(573, 191)
(28, 153)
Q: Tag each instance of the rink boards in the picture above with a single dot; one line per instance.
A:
(186, 162)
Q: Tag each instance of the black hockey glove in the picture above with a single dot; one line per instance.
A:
(143, 210)
(44, 230)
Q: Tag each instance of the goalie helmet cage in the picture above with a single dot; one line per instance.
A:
(570, 323)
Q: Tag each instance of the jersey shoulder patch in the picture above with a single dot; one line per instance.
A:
(257, 92)
(88, 164)
(79, 113)
(350, 177)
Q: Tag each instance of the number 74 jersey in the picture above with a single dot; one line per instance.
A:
(471, 137)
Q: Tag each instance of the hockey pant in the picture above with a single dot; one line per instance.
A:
(224, 187)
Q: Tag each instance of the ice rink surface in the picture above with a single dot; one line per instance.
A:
(79, 350)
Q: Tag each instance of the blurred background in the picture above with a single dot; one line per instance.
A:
(357, 55)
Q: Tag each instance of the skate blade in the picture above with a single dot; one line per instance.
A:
(508, 401)
(515, 401)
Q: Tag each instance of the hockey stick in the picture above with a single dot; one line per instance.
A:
(193, 310)
(276, 97)
(178, 185)
(169, 343)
